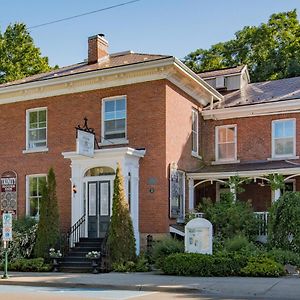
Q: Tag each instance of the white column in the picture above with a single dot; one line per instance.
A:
(233, 191)
(277, 195)
(191, 194)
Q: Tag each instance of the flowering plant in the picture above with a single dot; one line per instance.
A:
(55, 254)
(93, 255)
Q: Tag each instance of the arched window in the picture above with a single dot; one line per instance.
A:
(99, 171)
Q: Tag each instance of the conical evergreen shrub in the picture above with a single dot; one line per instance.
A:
(121, 241)
(48, 226)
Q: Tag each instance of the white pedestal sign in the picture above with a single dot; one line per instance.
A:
(198, 236)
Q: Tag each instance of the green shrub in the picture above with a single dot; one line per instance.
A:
(48, 234)
(284, 222)
(24, 237)
(164, 248)
(284, 257)
(230, 218)
(240, 244)
(141, 265)
(28, 265)
(121, 241)
(262, 267)
(194, 264)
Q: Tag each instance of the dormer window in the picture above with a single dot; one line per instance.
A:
(220, 82)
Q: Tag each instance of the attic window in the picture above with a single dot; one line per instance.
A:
(220, 82)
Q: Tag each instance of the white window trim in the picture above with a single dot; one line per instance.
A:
(105, 142)
(293, 155)
(218, 160)
(195, 113)
(28, 190)
(37, 149)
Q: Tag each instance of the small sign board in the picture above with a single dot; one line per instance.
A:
(9, 192)
(198, 236)
(85, 143)
(7, 227)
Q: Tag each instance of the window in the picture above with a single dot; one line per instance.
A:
(283, 138)
(37, 128)
(34, 188)
(226, 143)
(195, 132)
(114, 118)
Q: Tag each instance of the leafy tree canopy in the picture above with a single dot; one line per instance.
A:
(19, 57)
(271, 50)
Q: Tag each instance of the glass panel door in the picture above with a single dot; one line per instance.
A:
(92, 209)
(98, 209)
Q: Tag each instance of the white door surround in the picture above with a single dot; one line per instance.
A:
(128, 158)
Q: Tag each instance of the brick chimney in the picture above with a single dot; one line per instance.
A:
(97, 48)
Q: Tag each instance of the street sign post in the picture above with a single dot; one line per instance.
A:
(6, 237)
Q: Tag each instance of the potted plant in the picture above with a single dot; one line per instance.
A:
(55, 256)
(94, 256)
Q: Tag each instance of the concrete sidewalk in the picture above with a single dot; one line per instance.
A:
(276, 288)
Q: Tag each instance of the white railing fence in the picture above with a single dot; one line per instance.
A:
(262, 216)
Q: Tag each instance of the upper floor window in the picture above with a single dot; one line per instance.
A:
(114, 118)
(36, 128)
(226, 143)
(284, 138)
(195, 132)
(34, 188)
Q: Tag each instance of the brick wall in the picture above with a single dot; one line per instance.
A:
(146, 128)
(254, 136)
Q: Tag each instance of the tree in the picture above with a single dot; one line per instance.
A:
(121, 241)
(19, 57)
(48, 226)
(284, 222)
(271, 50)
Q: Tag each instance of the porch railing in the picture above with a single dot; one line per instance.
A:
(75, 233)
(262, 216)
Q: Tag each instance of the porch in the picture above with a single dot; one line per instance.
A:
(211, 181)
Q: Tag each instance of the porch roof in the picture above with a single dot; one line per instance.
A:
(246, 169)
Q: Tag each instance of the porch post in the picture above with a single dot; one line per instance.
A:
(277, 195)
(191, 194)
(233, 191)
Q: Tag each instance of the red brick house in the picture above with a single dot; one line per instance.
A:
(145, 110)
(251, 133)
(178, 137)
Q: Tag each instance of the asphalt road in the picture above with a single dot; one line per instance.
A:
(12, 292)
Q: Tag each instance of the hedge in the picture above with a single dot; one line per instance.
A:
(193, 264)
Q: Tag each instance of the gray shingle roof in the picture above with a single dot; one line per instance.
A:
(261, 92)
(221, 72)
(113, 60)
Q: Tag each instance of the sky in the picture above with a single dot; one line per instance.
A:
(173, 27)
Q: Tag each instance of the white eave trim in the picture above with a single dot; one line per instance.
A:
(251, 173)
(168, 68)
(198, 79)
(261, 109)
(109, 152)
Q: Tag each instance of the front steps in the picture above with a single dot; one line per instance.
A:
(75, 261)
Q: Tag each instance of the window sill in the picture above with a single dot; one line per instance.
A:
(114, 142)
(196, 155)
(283, 158)
(35, 150)
(224, 162)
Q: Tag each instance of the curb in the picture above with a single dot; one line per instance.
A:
(140, 288)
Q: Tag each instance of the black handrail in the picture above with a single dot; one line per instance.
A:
(75, 233)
